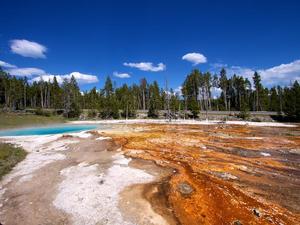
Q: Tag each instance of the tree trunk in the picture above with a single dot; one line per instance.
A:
(49, 103)
(240, 99)
(256, 99)
(42, 98)
(280, 103)
(25, 103)
(225, 99)
(209, 98)
(185, 106)
(126, 110)
(144, 100)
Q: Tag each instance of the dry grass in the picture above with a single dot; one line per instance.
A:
(13, 120)
(9, 157)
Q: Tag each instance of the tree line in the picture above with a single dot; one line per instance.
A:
(237, 94)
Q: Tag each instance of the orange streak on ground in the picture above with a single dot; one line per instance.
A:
(225, 167)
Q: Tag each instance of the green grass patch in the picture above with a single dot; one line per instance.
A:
(9, 157)
(13, 120)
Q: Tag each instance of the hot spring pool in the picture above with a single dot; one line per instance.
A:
(58, 129)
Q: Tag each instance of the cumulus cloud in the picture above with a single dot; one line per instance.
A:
(25, 71)
(121, 75)
(80, 78)
(215, 92)
(282, 74)
(28, 48)
(147, 66)
(178, 90)
(47, 77)
(218, 65)
(6, 65)
(195, 58)
(83, 78)
(15, 71)
(37, 74)
(238, 70)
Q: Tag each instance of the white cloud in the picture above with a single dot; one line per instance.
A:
(178, 90)
(215, 92)
(28, 48)
(147, 66)
(80, 78)
(282, 74)
(6, 65)
(195, 58)
(218, 65)
(241, 71)
(48, 77)
(15, 71)
(121, 75)
(83, 78)
(39, 74)
(25, 71)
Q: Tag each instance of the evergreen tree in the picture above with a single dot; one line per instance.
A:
(70, 98)
(110, 106)
(191, 87)
(223, 84)
(143, 87)
(274, 100)
(56, 97)
(174, 102)
(258, 89)
(17, 94)
(154, 98)
(292, 102)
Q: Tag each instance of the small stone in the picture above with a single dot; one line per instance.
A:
(185, 189)
(101, 182)
(224, 175)
(203, 147)
(269, 219)
(237, 222)
(256, 212)
(265, 154)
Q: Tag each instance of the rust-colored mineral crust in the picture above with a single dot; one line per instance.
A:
(223, 174)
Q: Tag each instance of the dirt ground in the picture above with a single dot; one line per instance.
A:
(172, 174)
(47, 195)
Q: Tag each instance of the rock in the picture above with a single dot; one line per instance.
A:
(265, 154)
(245, 169)
(185, 189)
(203, 147)
(224, 175)
(237, 222)
(101, 182)
(269, 219)
(295, 151)
(256, 212)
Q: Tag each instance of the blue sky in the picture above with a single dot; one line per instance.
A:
(99, 38)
